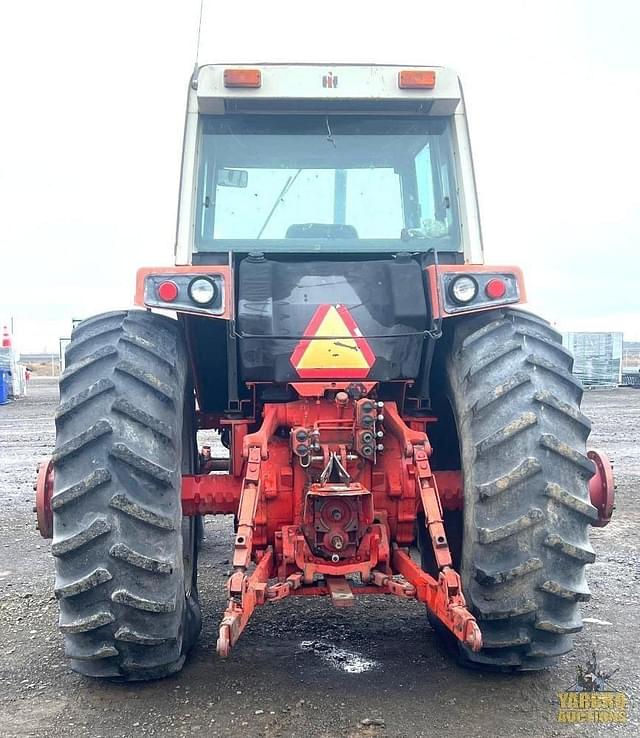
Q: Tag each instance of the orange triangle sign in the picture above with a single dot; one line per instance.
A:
(333, 348)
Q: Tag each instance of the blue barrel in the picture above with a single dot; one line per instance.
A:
(5, 379)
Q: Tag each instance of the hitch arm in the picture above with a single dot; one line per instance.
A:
(245, 592)
(442, 596)
(253, 593)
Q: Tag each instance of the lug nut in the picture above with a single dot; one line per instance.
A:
(380, 434)
(380, 447)
(380, 418)
(335, 558)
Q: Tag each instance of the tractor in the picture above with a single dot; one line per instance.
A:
(391, 421)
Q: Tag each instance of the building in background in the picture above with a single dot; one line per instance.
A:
(631, 356)
(631, 364)
(598, 357)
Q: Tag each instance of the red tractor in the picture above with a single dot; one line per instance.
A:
(395, 423)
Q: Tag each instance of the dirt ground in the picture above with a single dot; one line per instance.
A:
(304, 668)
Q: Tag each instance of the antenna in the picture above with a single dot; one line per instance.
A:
(198, 40)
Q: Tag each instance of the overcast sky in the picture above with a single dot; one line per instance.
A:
(93, 98)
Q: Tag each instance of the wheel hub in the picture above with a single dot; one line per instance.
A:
(602, 487)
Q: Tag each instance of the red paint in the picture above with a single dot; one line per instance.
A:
(309, 527)
(213, 494)
(602, 488)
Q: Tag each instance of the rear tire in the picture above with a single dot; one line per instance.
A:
(527, 512)
(126, 560)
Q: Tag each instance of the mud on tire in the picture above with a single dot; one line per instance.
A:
(127, 608)
(527, 511)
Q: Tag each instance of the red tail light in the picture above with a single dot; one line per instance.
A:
(167, 291)
(495, 289)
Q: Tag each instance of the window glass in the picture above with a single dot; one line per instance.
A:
(313, 182)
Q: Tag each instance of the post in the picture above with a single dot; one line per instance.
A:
(340, 197)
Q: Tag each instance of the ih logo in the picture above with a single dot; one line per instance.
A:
(333, 347)
(330, 81)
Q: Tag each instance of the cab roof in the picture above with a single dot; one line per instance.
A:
(305, 88)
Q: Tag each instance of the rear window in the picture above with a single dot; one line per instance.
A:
(325, 182)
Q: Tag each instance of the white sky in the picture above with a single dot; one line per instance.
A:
(93, 98)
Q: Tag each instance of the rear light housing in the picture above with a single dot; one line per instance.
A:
(185, 292)
(463, 290)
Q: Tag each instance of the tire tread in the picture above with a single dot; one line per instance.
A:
(124, 610)
(527, 510)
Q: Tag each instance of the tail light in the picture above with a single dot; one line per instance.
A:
(495, 288)
(167, 291)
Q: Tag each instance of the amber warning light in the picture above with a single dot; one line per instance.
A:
(416, 79)
(242, 78)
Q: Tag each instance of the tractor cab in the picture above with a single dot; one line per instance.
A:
(315, 160)
(327, 193)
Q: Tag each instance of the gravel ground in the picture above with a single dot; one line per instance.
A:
(303, 668)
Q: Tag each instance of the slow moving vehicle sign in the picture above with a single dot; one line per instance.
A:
(334, 345)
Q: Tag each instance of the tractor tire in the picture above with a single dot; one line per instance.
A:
(522, 439)
(125, 558)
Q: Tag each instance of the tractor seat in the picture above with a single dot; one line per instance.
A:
(321, 230)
